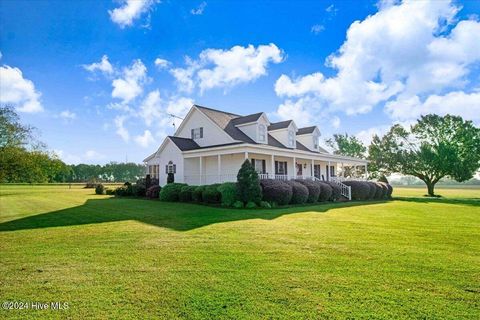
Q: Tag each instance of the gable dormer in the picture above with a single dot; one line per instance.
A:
(255, 126)
(285, 132)
(309, 137)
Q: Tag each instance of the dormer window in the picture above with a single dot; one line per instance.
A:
(315, 141)
(291, 138)
(197, 133)
(262, 133)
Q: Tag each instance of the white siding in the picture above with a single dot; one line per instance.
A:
(212, 134)
(282, 136)
(250, 130)
(170, 152)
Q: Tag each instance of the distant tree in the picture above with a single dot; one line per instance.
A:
(433, 148)
(13, 133)
(248, 184)
(346, 145)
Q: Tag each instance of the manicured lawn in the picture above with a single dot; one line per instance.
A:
(125, 258)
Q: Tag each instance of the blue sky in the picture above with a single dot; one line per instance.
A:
(99, 77)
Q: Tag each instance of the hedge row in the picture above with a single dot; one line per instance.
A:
(369, 190)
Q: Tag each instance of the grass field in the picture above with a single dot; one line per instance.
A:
(413, 257)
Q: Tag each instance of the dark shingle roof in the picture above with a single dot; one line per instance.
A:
(279, 125)
(221, 118)
(247, 119)
(305, 130)
(184, 144)
(275, 143)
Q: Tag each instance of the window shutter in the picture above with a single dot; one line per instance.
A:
(286, 168)
(166, 169)
(332, 171)
(201, 132)
(191, 133)
(276, 167)
(174, 168)
(263, 166)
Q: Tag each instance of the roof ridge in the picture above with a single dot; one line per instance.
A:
(216, 110)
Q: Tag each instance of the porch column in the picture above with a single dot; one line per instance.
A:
(246, 155)
(201, 169)
(366, 172)
(312, 172)
(272, 166)
(355, 170)
(343, 171)
(219, 167)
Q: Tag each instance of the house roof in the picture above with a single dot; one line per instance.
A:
(306, 130)
(184, 144)
(247, 119)
(279, 125)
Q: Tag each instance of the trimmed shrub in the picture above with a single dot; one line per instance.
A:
(238, 204)
(185, 194)
(127, 184)
(325, 191)
(170, 178)
(384, 190)
(211, 194)
(139, 190)
(250, 205)
(313, 190)
(389, 191)
(336, 193)
(372, 190)
(109, 192)
(197, 193)
(360, 189)
(99, 189)
(229, 193)
(378, 191)
(171, 191)
(265, 205)
(248, 183)
(124, 191)
(300, 192)
(153, 192)
(276, 191)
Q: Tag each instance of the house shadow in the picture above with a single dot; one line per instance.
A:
(175, 216)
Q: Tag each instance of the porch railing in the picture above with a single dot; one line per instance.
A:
(346, 190)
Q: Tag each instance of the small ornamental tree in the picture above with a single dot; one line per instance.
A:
(248, 184)
(170, 177)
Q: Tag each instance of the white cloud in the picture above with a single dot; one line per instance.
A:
(331, 9)
(129, 11)
(456, 102)
(366, 135)
(162, 63)
(336, 122)
(398, 53)
(67, 115)
(317, 28)
(130, 85)
(145, 140)
(217, 68)
(151, 108)
(89, 156)
(199, 9)
(93, 155)
(18, 91)
(103, 66)
(121, 130)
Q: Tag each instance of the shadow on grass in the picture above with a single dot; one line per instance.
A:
(176, 216)
(459, 201)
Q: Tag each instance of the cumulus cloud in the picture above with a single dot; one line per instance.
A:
(120, 127)
(151, 108)
(129, 11)
(217, 68)
(103, 66)
(18, 91)
(89, 156)
(130, 85)
(162, 63)
(67, 115)
(199, 10)
(402, 53)
(145, 140)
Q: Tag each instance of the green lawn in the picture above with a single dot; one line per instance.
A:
(413, 257)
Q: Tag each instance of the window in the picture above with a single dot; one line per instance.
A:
(153, 170)
(262, 130)
(281, 167)
(196, 133)
(170, 168)
(259, 165)
(291, 138)
(315, 141)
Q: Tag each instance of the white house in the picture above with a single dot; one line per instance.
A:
(210, 145)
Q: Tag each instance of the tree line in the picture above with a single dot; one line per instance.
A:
(25, 159)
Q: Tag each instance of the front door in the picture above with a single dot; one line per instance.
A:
(299, 169)
(316, 171)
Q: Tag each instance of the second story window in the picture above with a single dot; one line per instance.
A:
(197, 133)
(315, 141)
(262, 133)
(291, 138)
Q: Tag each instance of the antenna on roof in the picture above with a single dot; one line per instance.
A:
(172, 116)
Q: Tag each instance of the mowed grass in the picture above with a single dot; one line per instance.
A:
(413, 257)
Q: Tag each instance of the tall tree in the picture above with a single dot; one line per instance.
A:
(433, 148)
(346, 145)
